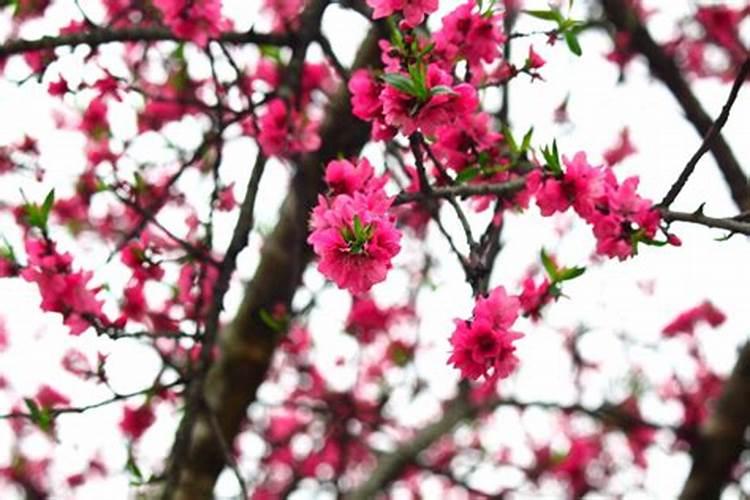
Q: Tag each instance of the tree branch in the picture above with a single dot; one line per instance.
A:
(392, 465)
(136, 34)
(730, 223)
(715, 130)
(665, 69)
(247, 344)
(722, 437)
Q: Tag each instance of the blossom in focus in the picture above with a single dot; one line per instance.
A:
(354, 235)
(484, 346)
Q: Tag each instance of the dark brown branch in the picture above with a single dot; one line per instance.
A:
(462, 191)
(730, 223)
(714, 131)
(54, 412)
(247, 343)
(393, 464)
(245, 222)
(136, 34)
(665, 69)
(722, 437)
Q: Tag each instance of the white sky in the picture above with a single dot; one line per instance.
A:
(607, 298)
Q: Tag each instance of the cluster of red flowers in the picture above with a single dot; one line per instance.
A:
(353, 233)
(484, 346)
(620, 218)
(63, 290)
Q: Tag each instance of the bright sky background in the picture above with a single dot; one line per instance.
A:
(609, 298)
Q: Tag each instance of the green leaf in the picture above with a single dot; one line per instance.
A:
(134, 470)
(357, 226)
(271, 322)
(550, 266)
(467, 174)
(402, 83)
(426, 50)
(552, 158)
(7, 252)
(526, 142)
(418, 74)
(442, 89)
(651, 242)
(39, 415)
(48, 203)
(571, 273)
(38, 215)
(510, 140)
(33, 408)
(396, 37)
(272, 52)
(547, 15)
(572, 41)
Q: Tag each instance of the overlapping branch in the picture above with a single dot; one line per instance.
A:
(721, 439)
(102, 36)
(664, 67)
(246, 345)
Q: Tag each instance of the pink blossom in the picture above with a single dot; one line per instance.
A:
(534, 60)
(227, 201)
(484, 345)
(581, 186)
(75, 362)
(285, 13)
(452, 107)
(94, 121)
(136, 421)
(414, 11)
(468, 34)
(345, 177)
(297, 341)
(457, 147)
(58, 88)
(63, 290)
(533, 297)
(622, 52)
(367, 319)
(8, 267)
(628, 219)
(282, 426)
(621, 150)
(721, 24)
(47, 397)
(140, 257)
(284, 132)
(355, 239)
(686, 321)
(366, 103)
(194, 21)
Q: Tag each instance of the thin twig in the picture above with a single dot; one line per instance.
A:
(713, 132)
(150, 34)
(729, 223)
(54, 412)
(245, 222)
(228, 455)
